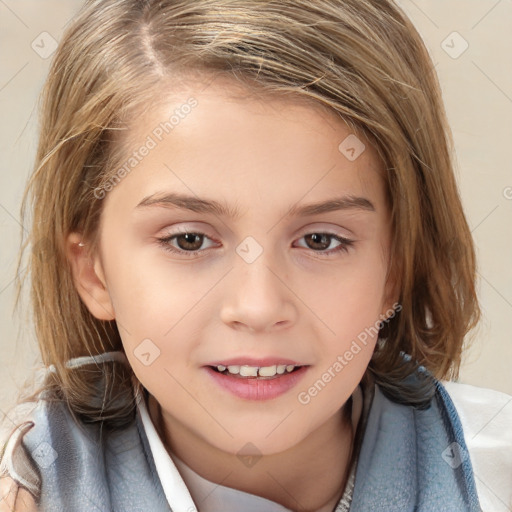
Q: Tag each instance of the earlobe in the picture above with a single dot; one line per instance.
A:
(89, 278)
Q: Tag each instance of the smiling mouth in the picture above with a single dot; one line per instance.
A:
(256, 372)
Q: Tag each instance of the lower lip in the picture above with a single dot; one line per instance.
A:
(255, 388)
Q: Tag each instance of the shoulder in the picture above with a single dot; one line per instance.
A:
(23, 456)
(14, 498)
(409, 452)
(486, 417)
(19, 481)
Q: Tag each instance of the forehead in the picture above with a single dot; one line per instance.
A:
(220, 136)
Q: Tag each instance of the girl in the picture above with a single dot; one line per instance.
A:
(250, 265)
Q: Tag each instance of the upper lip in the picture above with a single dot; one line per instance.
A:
(252, 361)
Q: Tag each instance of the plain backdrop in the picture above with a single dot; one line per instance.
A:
(470, 42)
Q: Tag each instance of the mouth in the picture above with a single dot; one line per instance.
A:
(256, 372)
(261, 380)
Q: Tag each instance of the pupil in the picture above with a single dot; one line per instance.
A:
(190, 238)
(318, 238)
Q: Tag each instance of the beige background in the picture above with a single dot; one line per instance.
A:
(477, 88)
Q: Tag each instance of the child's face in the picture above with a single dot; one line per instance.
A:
(261, 288)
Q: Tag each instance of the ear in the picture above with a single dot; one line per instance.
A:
(89, 278)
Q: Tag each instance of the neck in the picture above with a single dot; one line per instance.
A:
(299, 478)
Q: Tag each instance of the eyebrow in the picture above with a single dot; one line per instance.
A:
(198, 205)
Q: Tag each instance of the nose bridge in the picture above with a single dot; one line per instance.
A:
(257, 297)
(253, 272)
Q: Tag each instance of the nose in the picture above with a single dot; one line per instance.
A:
(257, 298)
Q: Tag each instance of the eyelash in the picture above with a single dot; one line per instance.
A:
(164, 242)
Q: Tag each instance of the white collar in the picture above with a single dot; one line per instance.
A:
(174, 487)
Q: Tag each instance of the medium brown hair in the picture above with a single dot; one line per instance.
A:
(362, 59)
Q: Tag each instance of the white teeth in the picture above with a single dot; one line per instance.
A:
(248, 371)
(267, 371)
(255, 371)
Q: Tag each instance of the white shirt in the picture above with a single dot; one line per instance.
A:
(486, 417)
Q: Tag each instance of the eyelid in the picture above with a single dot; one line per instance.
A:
(181, 229)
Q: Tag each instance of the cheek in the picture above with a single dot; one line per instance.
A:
(352, 297)
(346, 351)
(351, 308)
(152, 294)
(160, 314)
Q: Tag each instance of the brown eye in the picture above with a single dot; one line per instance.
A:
(186, 243)
(319, 241)
(189, 241)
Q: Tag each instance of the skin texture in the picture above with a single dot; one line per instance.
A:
(261, 156)
(15, 498)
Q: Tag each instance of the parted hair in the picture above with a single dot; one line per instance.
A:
(361, 59)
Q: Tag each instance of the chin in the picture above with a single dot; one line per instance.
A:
(258, 443)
